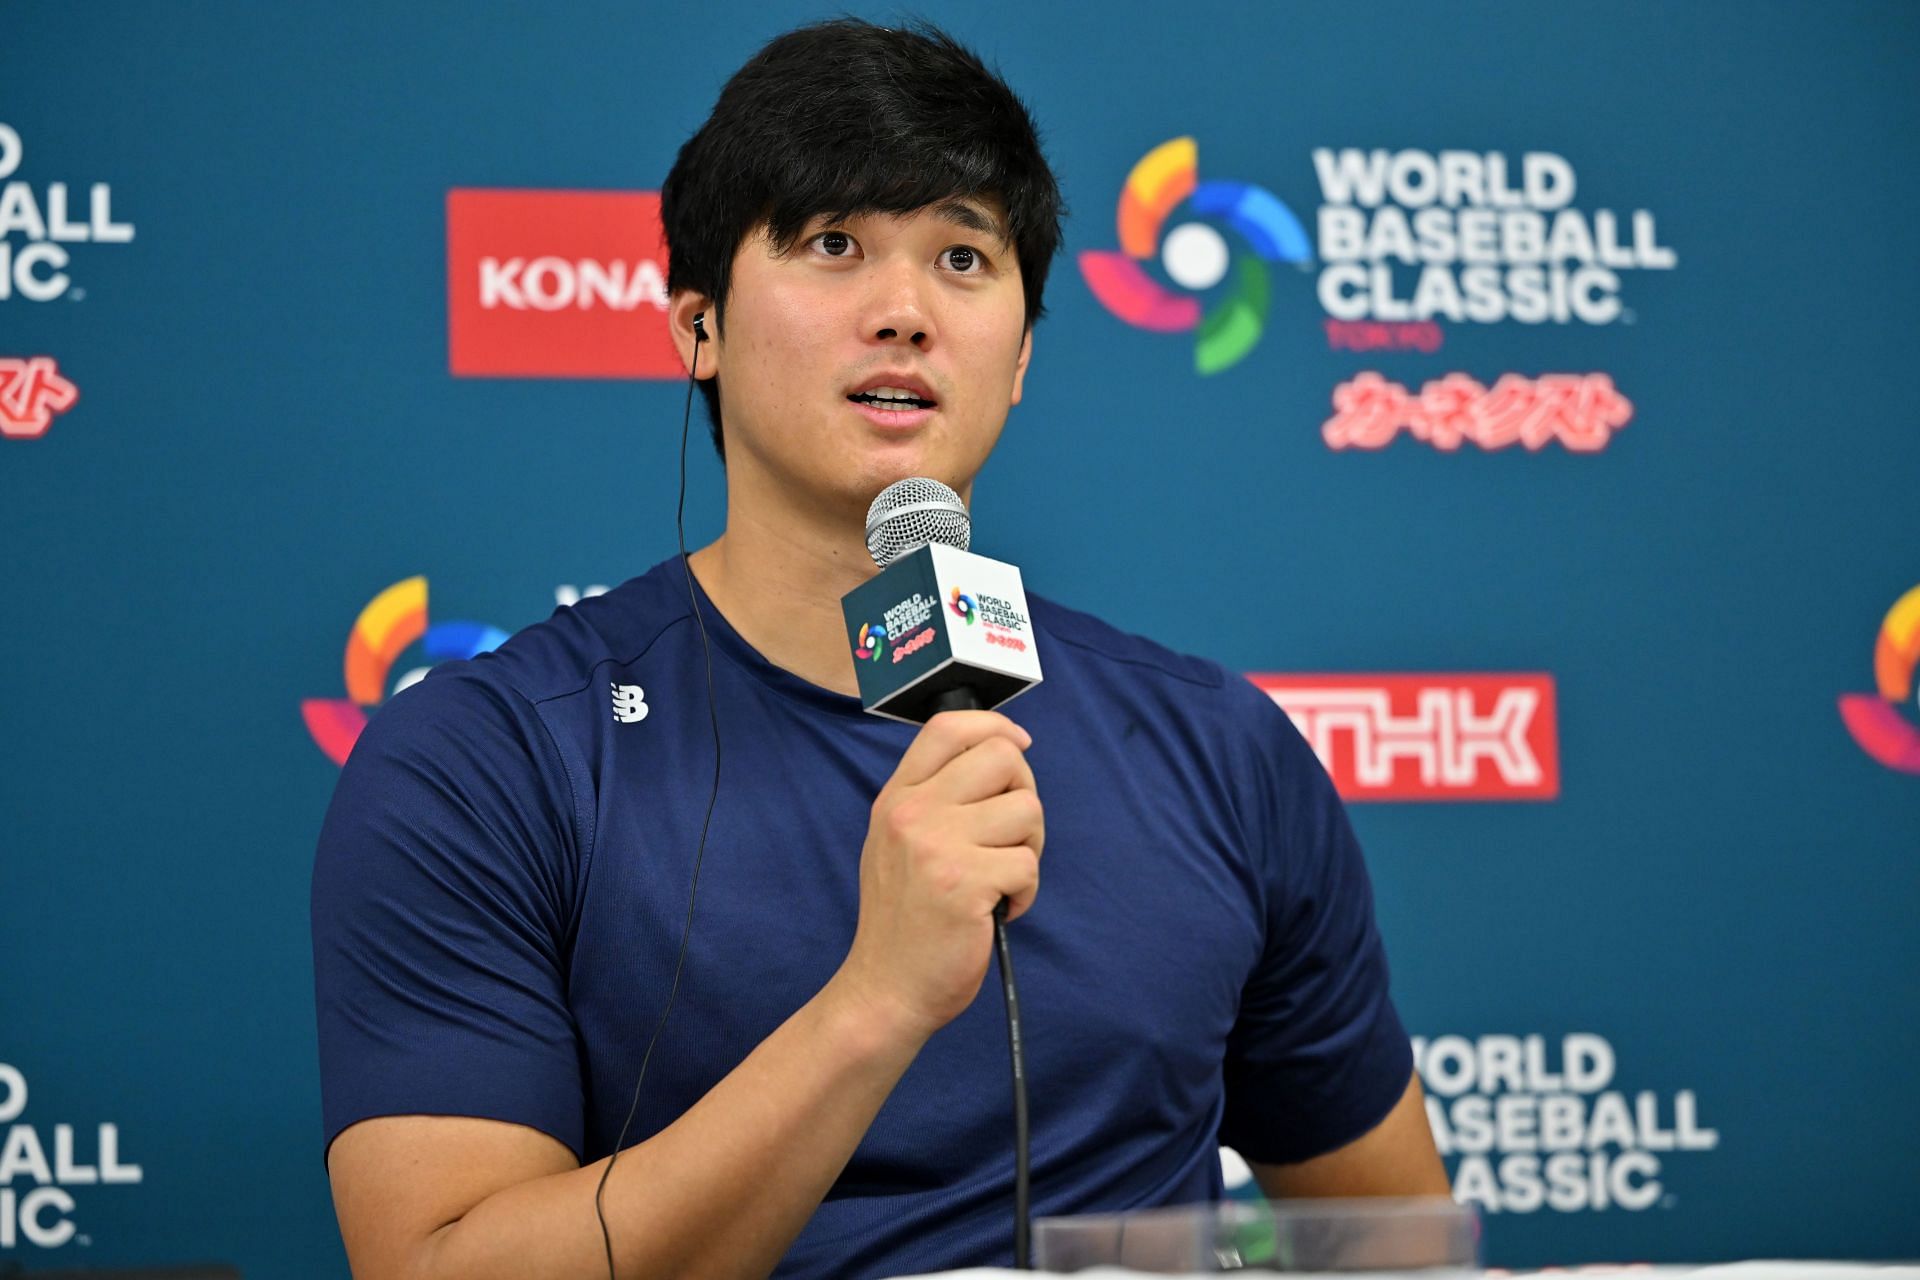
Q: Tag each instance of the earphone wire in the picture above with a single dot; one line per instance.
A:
(713, 717)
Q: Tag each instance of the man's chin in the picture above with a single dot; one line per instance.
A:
(886, 470)
(839, 487)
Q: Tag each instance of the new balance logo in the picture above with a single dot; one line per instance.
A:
(1428, 737)
(629, 703)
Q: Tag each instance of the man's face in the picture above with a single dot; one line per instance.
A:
(860, 310)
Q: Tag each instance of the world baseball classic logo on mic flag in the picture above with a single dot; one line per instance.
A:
(870, 642)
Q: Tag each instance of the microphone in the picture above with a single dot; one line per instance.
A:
(940, 628)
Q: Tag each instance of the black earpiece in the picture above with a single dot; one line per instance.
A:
(699, 326)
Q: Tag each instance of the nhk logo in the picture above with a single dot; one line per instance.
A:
(563, 284)
(1428, 737)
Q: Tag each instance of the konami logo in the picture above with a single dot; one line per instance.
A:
(557, 284)
(1428, 737)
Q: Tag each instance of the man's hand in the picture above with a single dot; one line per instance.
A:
(958, 827)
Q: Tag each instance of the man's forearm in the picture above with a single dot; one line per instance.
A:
(721, 1192)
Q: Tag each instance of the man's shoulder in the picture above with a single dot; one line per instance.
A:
(1121, 655)
(507, 700)
(564, 654)
(1122, 670)
(1097, 641)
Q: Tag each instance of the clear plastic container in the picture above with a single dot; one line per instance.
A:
(1431, 1235)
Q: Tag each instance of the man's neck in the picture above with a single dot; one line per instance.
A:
(779, 586)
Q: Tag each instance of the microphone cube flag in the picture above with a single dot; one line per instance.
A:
(938, 619)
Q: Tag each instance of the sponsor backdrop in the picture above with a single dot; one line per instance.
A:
(1519, 395)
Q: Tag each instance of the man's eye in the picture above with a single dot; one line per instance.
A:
(834, 243)
(965, 260)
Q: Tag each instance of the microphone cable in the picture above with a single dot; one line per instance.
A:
(965, 699)
(1022, 1191)
(713, 716)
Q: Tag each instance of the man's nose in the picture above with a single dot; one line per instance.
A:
(898, 306)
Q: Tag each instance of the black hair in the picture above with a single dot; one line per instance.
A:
(842, 118)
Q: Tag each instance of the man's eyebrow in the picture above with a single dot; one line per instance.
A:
(965, 213)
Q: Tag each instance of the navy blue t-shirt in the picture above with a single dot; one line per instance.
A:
(502, 880)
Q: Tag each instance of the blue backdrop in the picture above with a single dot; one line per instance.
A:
(1666, 999)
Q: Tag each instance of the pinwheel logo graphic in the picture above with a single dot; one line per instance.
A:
(1194, 255)
(963, 605)
(391, 621)
(1875, 720)
(870, 642)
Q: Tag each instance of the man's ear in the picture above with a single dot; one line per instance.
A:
(1020, 365)
(682, 307)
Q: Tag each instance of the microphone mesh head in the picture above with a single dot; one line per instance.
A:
(910, 513)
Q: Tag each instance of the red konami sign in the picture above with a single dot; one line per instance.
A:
(557, 284)
(1441, 736)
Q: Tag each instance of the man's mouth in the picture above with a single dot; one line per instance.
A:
(896, 399)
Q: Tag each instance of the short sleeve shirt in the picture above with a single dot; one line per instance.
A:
(502, 881)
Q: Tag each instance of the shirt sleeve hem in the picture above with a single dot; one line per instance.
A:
(1384, 1068)
(566, 1136)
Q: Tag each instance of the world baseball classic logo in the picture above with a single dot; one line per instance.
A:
(1194, 255)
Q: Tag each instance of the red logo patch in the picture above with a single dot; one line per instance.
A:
(1428, 737)
(557, 284)
(31, 392)
(1581, 411)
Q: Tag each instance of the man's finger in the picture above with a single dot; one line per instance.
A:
(987, 768)
(1008, 820)
(1013, 874)
(947, 735)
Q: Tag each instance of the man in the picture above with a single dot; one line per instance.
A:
(502, 881)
